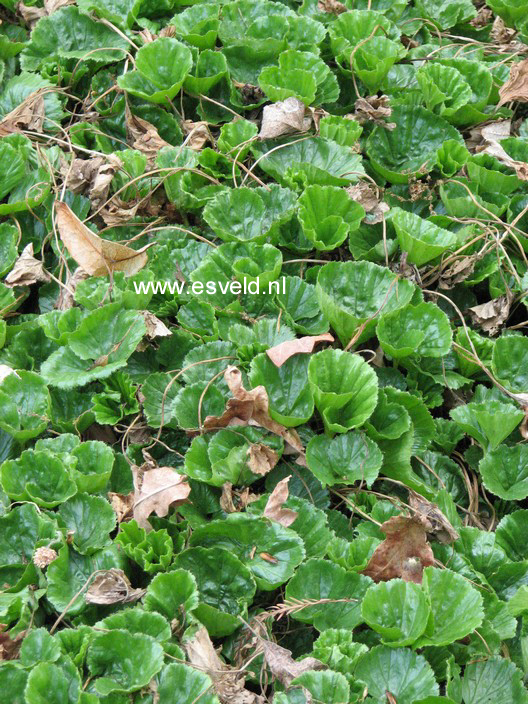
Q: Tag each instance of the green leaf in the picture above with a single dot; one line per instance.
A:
(302, 75)
(270, 551)
(509, 535)
(37, 476)
(489, 423)
(423, 330)
(152, 551)
(13, 683)
(93, 469)
(49, 684)
(456, 607)
(344, 459)
(123, 13)
(327, 215)
(172, 594)
(138, 621)
(318, 580)
(510, 362)
(24, 405)
(336, 648)
(325, 686)
(161, 68)
(123, 662)
(180, 682)
(504, 472)
(397, 610)
(90, 519)
(406, 675)
(353, 294)
(493, 680)
(345, 389)
(421, 239)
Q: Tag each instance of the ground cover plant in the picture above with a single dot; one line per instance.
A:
(263, 352)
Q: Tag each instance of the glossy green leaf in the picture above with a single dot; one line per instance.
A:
(344, 459)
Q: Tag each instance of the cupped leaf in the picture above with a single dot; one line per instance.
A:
(423, 330)
(496, 679)
(397, 610)
(510, 362)
(421, 239)
(302, 75)
(504, 472)
(90, 520)
(136, 620)
(509, 535)
(488, 422)
(327, 216)
(344, 459)
(345, 389)
(353, 294)
(25, 405)
(325, 686)
(37, 476)
(179, 682)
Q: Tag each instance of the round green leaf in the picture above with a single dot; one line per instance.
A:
(423, 330)
(510, 362)
(344, 459)
(421, 239)
(504, 472)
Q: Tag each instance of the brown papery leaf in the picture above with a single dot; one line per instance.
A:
(250, 408)
(29, 115)
(9, 647)
(283, 666)
(155, 491)
(333, 7)
(228, 684)
(302, 345)
(284, 117)
(95, 255)
(112, 587)
(155, 326)
(143, 136)
(492, 315)
(368, 196)
(274, 509)
(123, 505)
(27, 270)
(374, 108)
(435, 522)
(404, 553)
(198, 134)
(516, 87)
(457, 272)
(261, 458)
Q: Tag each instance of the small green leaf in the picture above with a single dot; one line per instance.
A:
(344, 459)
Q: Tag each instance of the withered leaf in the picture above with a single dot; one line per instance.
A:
(29, 115)
(112, 587)
(492, 315)
(375, 108)
(9, 647)
(228, 684)
(404, 553)
(95, 255)
(155, 326)
(333, 7)
(198, 134)
(302, 345)
(27, 270)
(250, 408)
(283, 666)
(143, 136)
(155, 490)
(123, 505)
(274, 506)
(261, 458)
(368, 196)
(457, 272)
(66, 297)
(435, 522)
(284, 117)
(516, 87)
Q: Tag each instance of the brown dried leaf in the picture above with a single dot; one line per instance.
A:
(155, 326)
(233, 501)
(27, 270)
(333, 7)
(96, 256)
(375, 108)
(483, 18)
(143, 136)
(112, 587)
(197, 134)
(457, 272)
(123, 505)
(302, 345)
(250, 408)
(501, 34)
(516, 87)
(117, 212)
(9, 647)
(492, 315)
(284, 117)
(273, 508)
(228, 685)
(369, 198)
(29, 115)
(261, 458)
(66, 297)
(435, 522)
(404, 552)
(283, 666)
(155, 490)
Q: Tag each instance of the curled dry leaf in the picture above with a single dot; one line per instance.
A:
(92, 177)
(67, 293)
(261, 458)
(27, 270)
(274, 509)
(112, 587)
(284, 117)
(228, 684)
(155, 490)
(123, 505)
(457, 272)
(333, 7)
(143, 136)
(96, 256)
(369, 197)
(483, 18)
(197, 134)
(32, 14)
(29, 115)
(116, 212)
(404, 553)
(375, 108)
(492, 315)
(10, 647)
(516, 87)
(435, 522)
(233, 501)
(282, 665)
(249, 408)
(500, 33)
(155, 326)
(301, 345)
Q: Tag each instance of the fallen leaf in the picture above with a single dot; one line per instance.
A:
(96, 256)
(282, 665)
(516, 87)
(375, 108)
(333, 7)
(143, 136)
(261, 458)
(274, 509)
(404, 553)
(29, 115)
(112, 587)
(368, 196)
(500, 33)
(91, 177)
(198, 134)
(155, 326)
(155, 490)
(228, 684)
(234, 501)
(301, 345)
(117, 212)
(457, 272)
(435, 522)
(27, 270)
(9, 647)
(250, 93)
(66, 298)
(492, 315)
(284, 117)
(123, 505)
(250, 408)
(483, 18)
